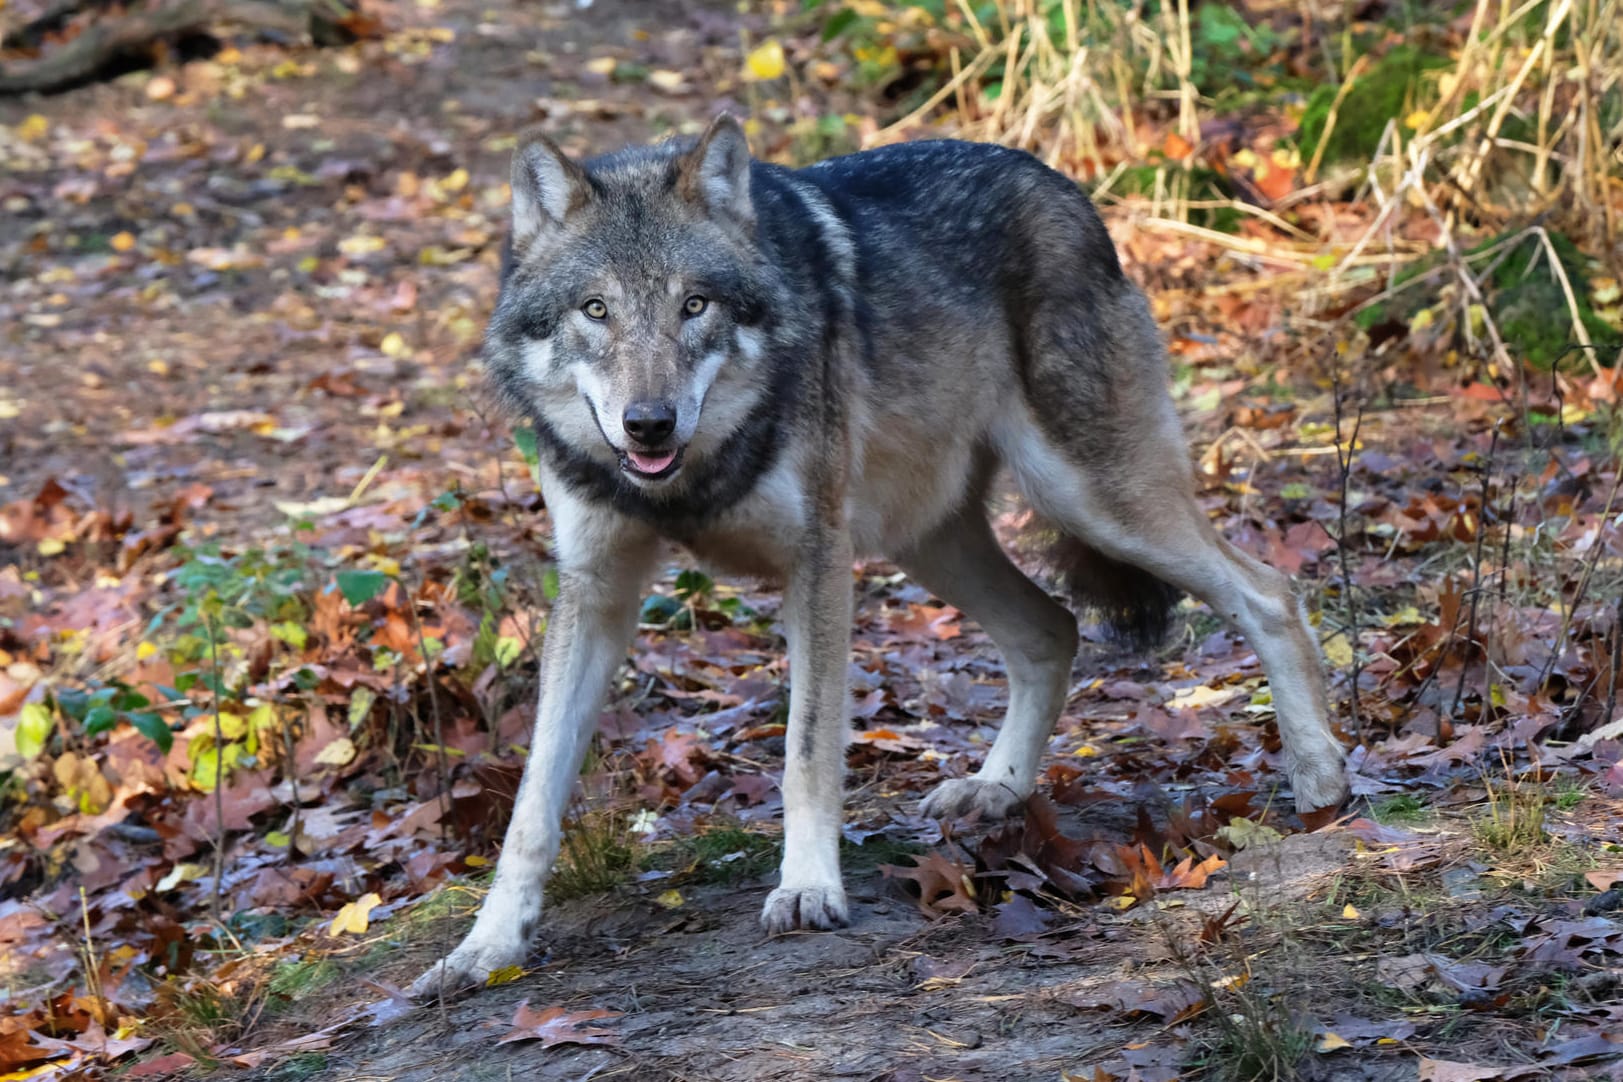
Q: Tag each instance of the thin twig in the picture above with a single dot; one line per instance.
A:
(219, 771)
(1617, 663)
(1344, 462)
(1584, 580)
(1476, 587)
(442, 765)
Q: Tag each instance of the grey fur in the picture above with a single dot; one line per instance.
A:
(849, 353)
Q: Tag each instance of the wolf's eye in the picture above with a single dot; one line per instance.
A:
(694, 305)
(595, 309)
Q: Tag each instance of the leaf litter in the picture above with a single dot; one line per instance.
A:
(273, 578)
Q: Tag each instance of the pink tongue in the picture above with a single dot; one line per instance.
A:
(651, 463)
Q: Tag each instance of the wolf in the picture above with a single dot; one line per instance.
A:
(783, 370)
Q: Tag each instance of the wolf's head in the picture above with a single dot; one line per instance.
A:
(629, 321)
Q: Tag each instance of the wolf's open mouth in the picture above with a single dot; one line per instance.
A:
(651, 467)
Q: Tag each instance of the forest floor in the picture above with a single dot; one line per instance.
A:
(248, 474)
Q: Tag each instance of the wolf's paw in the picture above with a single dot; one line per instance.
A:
(959, 797)
(1320, 782)
(809, 907)
(466, 968)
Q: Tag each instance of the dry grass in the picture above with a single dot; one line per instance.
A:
(1510, 130)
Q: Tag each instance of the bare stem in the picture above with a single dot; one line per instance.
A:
(1476, 585)
(1344, 456)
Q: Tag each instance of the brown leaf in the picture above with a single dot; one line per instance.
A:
(1018, 919)
(554, 1025)
(1165, 1001)
(1443, 1070)
(161, 1067)
(944, 885)
(1606, 879)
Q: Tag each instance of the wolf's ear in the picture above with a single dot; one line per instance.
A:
(547, 185)
(716, 173)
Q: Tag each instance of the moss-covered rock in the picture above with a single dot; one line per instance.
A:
(1384, 92)
(1525, 298)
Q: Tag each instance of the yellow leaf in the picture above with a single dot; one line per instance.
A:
(1201, 695)
(765, 61)
(180, 873)
(1339, 652)
(504, 975)
(144, 651)
(671, 899)
(1332, 1041)
(34, 729)
(232, 726)
(1086, 751)
(52, 546)
(1121, 901)
(122, 242)
(339, 753)
(33, 128)
(393, 345)
(1350, 912)
(354, 917)
(1408, 616)
(667, 82)
(456, 181)
(361, 244)
(476, 861)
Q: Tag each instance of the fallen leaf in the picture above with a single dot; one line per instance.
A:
(944, 885)
(172, 1064)
(554, 1025)
(765, 61)
(1442, 1070)
(354, 917)
(1606, 879)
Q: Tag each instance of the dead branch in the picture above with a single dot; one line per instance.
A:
(111, 35)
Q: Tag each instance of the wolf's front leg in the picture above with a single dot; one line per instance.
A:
(586, 638)
(817, 620)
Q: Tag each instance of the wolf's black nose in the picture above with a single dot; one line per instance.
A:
(649, 423)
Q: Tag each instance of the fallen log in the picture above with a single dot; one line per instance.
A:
(110, 33)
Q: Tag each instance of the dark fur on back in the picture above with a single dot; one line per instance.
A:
(1134, 605)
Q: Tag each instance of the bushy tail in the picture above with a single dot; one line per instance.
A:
(1134, 604)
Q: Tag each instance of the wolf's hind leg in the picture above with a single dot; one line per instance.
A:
(962, 563)
(1140, 509)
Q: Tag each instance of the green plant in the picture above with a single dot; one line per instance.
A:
(1570, 793)
(299, 1067)
(1259, 1038)
(291, 980)
(1402, 808)
(722, 854)
(1512, 820)
(597, 855)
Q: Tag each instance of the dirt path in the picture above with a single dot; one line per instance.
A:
(705, 996)
(281, 306)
